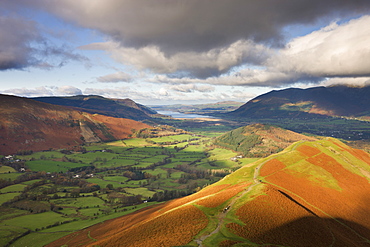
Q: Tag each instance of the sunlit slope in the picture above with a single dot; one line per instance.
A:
(27, 124)
(311, 194)
(259, 140)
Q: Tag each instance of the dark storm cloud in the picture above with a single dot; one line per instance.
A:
(22, 45)
(15, 38)
(197, 25)
(220, 42)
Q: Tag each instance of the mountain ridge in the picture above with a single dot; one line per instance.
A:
(29, 125)
(94, 104)
(336, 100)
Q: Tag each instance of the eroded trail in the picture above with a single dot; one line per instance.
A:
(222, 215)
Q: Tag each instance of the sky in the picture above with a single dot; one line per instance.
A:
(159, 52)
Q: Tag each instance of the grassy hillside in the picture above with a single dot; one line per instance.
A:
(259, 140)
(310, 194)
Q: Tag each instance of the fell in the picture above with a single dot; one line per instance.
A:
(29, 125)
(259, 140)
(314, 193)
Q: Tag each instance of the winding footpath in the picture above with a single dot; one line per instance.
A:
(222, 215)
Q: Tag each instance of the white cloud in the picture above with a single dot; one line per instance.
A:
(242, 96)
(334, 51)
(67, 91)
(167, 95)
(204, 64)
(117, 92)
(28, 92)
(359, 81)
(205, 88)
(44, 91)
(163, 92)
(189, 88)
(116, 77)
(124, 92)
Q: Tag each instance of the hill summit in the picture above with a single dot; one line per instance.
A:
(259, 140)
(311, 194)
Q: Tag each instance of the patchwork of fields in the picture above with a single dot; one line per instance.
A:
(63, 191)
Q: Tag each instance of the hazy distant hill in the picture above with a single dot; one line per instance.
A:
(26, 124)
(311, 194)
(122, 108)
(294, 102)
(259, 140)
(219, 107)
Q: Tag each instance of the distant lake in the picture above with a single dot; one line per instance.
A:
(175, 114)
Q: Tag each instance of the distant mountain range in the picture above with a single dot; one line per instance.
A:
(311, 194)
(312, 102)
(26, 124)
(120, 108)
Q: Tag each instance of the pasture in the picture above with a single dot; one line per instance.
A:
(6, 169)
(50, 165)
(67, 191)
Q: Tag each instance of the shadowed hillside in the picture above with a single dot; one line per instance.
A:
(259, 140)
(121, 108)
(311, 102)
(311, 194)
(27, 125)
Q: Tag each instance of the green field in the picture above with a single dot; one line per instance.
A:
(103, 183)
(31, 181)
(8, 196)
(80, 202)
(35, 221)
(67, 191)
(50, 166)
(9, 176)
(13, 188)
(6, 169)
(119, 179)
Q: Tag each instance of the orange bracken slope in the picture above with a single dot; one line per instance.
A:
(172, 223)
(323, 199)
(311, 194)
(26, 124)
